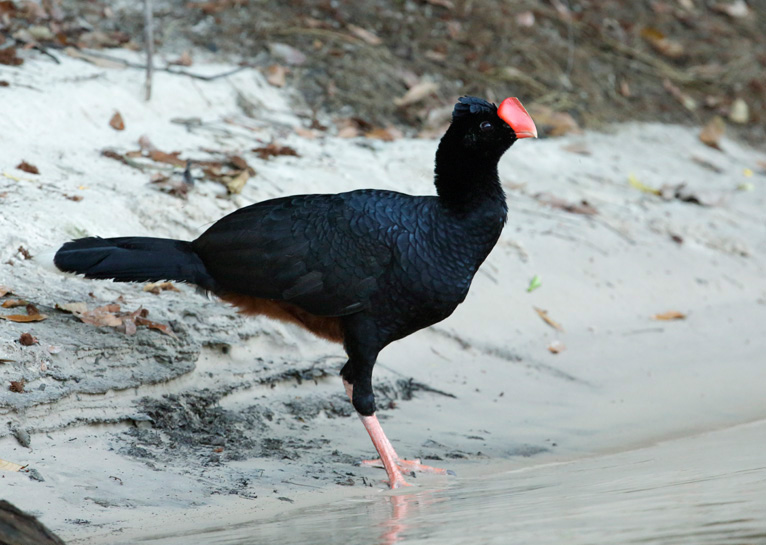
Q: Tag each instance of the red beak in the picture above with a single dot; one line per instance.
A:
(512, 112)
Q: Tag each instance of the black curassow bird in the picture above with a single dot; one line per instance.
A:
(363, 268)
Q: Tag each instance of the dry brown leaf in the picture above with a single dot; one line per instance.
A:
(8, 57)
(184, 60)
(712, 133)
(142, 320)
(548, 320)
(670, 315)
(73, 308)
(13, 303)
(157, 287)
(24, 318)
(111, 154)
(102, 316)
(17, 386)
(274, 150)
(26, 167)
(169, 158)
(26, 339)
(276, 75)
(388, 134)
(349, 131)
(116, 122)
(5, 465)
(416, 93)
(309, 134)
(5, 290)
(365, 35)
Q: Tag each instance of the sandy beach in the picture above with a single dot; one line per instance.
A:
(233, 419)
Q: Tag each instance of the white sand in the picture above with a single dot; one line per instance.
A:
(623, 380)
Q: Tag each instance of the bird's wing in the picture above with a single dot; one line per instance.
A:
(324, 253)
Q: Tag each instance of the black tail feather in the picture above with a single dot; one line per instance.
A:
(134, 259)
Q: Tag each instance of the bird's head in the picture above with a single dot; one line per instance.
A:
(481, 127)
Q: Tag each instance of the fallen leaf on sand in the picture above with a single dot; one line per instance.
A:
(17, 386)
(116, 122)
(5, 290)
(141, 320)
(387, 134)
(157, 287)
(416, 93)
(548, 320)
(26, 167)
(555, 347)
(274, 150)
(185, 59)
(276, 75)
(101, 316)
(13, 303)
(712, 133)
(24, 318)
(169, 158)
(26, 339)
(73, 308)
(9, 466)
(670, 315)
(8, 57)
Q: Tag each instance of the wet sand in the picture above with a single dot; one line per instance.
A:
(709, 488)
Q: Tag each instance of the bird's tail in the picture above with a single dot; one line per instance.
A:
(134, 259)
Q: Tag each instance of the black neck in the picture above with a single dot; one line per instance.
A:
(466, 180)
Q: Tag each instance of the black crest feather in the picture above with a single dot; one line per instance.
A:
(472, 105)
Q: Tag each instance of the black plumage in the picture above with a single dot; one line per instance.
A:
(365, 267)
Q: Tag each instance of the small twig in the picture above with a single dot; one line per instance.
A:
(168, 70)
(149, 39)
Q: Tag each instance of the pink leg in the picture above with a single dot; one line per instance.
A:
(389, 460)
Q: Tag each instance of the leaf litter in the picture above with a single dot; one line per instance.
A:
(111, 315)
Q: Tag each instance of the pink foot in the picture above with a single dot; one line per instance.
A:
(409, 466)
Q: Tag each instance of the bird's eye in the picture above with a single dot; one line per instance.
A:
(486, 126)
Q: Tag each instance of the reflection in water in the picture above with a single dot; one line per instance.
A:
(709, 489)
(406, 507)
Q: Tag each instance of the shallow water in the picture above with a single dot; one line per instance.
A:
(705, 489)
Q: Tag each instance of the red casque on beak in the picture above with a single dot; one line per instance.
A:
(512, 112)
